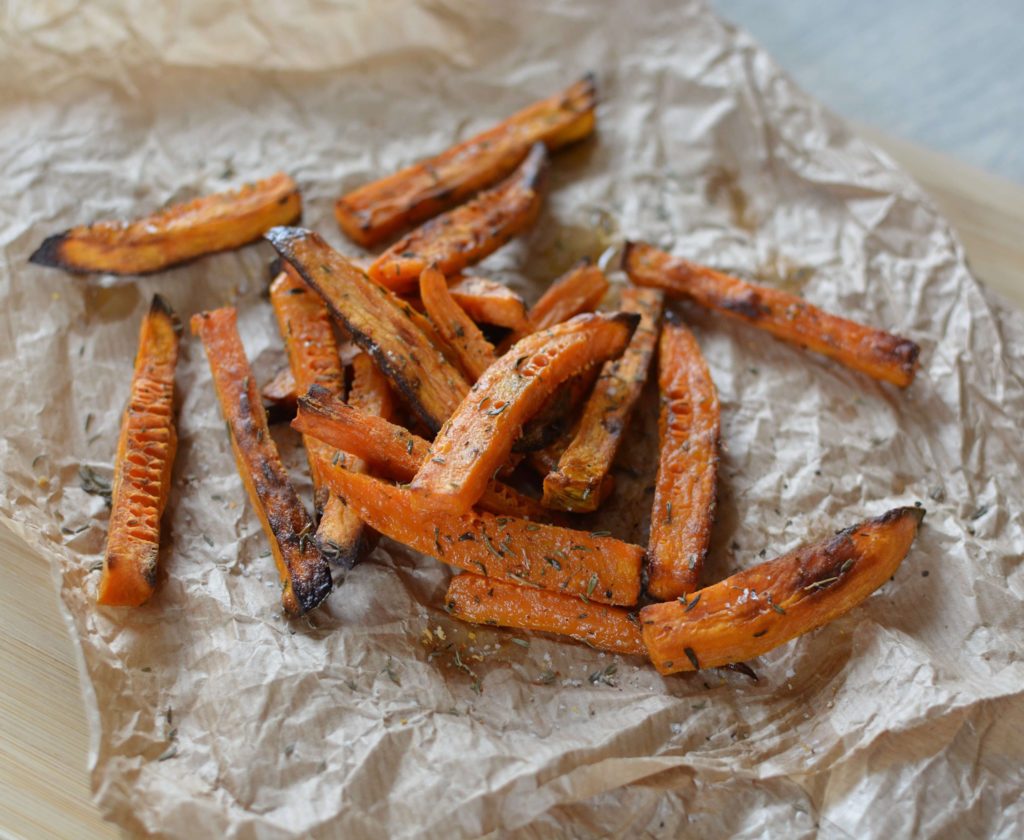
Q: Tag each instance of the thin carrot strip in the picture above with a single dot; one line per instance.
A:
(579, 290)
(879, 354)
(475, 353)
(305, 574)
(482, 600)
(560, 559)
(142, 470)
(488, 301)
(684, 494)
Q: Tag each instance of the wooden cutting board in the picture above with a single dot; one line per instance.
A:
(44, 787)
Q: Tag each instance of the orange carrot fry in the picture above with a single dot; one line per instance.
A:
(478, 437)
(379, 323)
(489, 302)
(142, 472)
(475, 353)
(763, 607)
(482, 600)
(581, 476)
(547, 556)
(579, 290)
(180, 233)
(470, 232)
(305, 574)
(382, 208)
(391, 450)
(684, 494)
(879, 354)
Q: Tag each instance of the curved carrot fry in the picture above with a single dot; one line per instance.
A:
(392, 450)
(382, 326)
(305, 574)
(684, 493)
(879, 354)
(475, 353)
(761, 608)
(470, 232)
(578, 482)
(183, 232)
(483, 600)
(547, 556)
(478, 437)
(578, 290)
(489, 302)
(145, 458)
(379, 209)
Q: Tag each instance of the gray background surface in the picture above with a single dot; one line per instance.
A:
(948, 74)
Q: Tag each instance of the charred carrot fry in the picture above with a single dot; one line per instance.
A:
(579, 290)
(382, 208)
(879, 354)
(763, 607)
(560, 559)
(478, 437)
(340, 532)
(183, 232)
(142, 471)
(551, 427)
(475, 353)
(280, 392)
(470, 232)
(684, 494)
(392, 450)
(489, 302)
(379, 323)
(305, 574)
(578, 481)
(482, 600)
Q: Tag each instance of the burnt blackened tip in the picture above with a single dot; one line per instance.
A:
(160, 306)
(630, 320)
(49, 253)
(315, 393)
(535, 168)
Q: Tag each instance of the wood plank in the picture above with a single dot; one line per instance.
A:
(44, 790)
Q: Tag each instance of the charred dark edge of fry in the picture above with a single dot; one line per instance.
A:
(280, 237)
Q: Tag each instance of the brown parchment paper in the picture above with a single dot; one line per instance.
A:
(211, 715)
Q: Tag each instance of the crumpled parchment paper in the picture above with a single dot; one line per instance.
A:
(213, 715)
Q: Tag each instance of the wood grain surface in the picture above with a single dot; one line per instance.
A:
(44, 787)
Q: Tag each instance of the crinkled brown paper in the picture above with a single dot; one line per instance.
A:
(904, 716)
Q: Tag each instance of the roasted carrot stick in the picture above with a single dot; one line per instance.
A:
(560, 559)
(684, 494)
(478, 437)
(379, 323)
(142, 471)
(392, 450)
(552, 425)
(879, 354)
(470, 232)
(183, 232)
(305, 574)
(483, 600)
(578, 290)
(578, 481)
(341, 533)
(475, 353)
(489, 302)
(763, 607)
(382, 208)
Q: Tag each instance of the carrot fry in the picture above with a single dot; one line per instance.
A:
(391, 450)
(475, 353)
(305, 574)
(684, 493)
(879, 354)
(579, 290)
(547, 556)
(379, 323)
(382, 208)
(763, 607)
(580, 478)
(489, 302)
(482, 600)
(145, 458)
(478, 437)
(180, 233)
(470, 232)
(552, 425)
